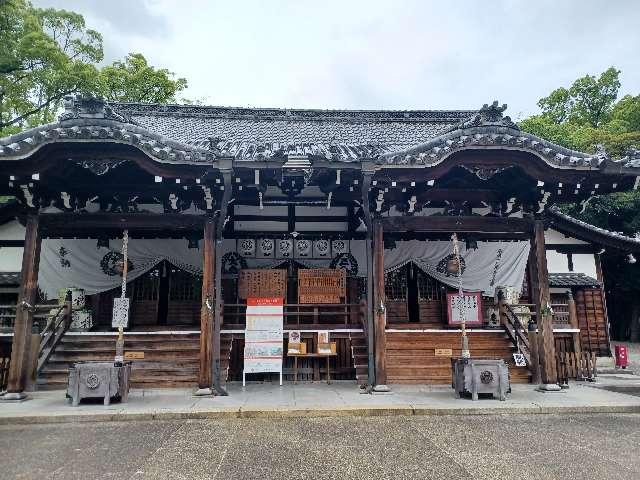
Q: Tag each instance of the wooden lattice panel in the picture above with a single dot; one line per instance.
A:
(322, 285)
(262, 283)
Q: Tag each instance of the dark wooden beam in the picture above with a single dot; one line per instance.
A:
(27, 296)
(380, 315)
(542, 301)
(76, 224)
(205, 379)
(456, 224)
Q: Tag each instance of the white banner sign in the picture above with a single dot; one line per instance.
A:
(263, 342)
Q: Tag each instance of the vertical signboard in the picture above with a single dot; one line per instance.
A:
(263, 343)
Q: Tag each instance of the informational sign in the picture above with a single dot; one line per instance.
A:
(120, 312)
(263, 343)
(443, 352)
(519, 360)
(262, 283)
(467, 307)
(321, 285)
(134, 355)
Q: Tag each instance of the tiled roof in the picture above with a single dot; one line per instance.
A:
(193, 134)
(585, 231)
(9, 278)
(249, 132)
(572, 279)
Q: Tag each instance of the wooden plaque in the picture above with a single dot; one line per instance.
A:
(262, 283)
(321, 285)
(133, 355)
(444, 352)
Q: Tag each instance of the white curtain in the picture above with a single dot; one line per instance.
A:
(490, 265)
(80, 263)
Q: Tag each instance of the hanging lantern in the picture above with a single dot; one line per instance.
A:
(453, 265)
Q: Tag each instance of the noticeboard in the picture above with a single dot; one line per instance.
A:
(263, 342)
(322, 285)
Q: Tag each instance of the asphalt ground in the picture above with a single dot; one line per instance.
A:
(599, 446)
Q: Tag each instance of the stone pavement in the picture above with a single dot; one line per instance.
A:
(320, 399)
(449, 447)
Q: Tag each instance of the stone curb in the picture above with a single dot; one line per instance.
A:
(313, 412)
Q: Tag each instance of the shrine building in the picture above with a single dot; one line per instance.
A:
(365, 223)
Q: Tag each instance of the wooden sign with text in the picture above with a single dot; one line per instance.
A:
(134, 355)
(321, 285)
(444, 352)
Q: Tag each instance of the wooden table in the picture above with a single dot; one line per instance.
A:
(310, 355)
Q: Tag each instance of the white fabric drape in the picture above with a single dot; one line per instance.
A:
(490, 265)
(76, 263)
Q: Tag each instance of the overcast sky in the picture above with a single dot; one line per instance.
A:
(422, 54)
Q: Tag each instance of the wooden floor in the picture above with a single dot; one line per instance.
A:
(411, 355)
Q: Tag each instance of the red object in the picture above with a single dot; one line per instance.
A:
(622, 356)
(473, 311)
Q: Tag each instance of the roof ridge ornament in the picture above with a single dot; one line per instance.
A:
(488, 115)
(601, 153)
(89, 106)
(632, 157)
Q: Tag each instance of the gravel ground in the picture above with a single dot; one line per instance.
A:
(446, 447)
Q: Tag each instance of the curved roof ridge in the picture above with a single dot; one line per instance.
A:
(617, 240)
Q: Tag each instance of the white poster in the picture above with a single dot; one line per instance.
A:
(263, 342)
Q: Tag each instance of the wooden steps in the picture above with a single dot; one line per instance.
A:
(359, 353)
(411, 355)
(170, 360)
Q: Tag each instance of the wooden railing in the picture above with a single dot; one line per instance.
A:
(57, 325)
(305, 315)
(8, 316)
(575, 366)
(516, 330)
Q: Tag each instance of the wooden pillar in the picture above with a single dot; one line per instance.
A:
(206, 309)
(541, 299)
(369, 330)
(219, 305)
(573, 321)
(379, 306)
(27, 296)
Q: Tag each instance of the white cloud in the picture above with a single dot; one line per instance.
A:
(373, 54)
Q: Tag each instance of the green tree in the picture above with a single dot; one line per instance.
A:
(46, 54)
(134, 80)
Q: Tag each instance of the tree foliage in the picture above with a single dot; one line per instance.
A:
(134, 80)
(46, 54)
(587, 114)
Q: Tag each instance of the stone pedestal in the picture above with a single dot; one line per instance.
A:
(474, 376)
(98, 380)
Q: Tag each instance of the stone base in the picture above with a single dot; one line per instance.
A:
(549, 387)
(381, 389)
(14, 397)
(204, 392)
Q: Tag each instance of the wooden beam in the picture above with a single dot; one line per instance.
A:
(205, 379)
(542, 301)
(73, 224)
(459, 224)
(20, 349)
(380, 314)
